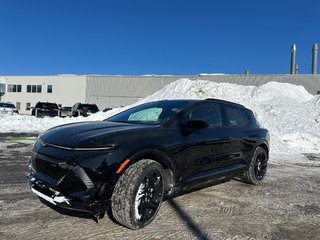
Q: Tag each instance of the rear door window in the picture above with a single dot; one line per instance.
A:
(235, 116)
(210, 113)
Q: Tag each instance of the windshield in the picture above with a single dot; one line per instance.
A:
(153, 113)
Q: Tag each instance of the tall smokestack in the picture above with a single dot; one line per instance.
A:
(293, 59)
(314, 59)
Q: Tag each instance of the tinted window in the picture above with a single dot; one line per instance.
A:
(89, 107)
(235, 116)
(6, 105)
(253, 117)
(210, 113)
(47, 105)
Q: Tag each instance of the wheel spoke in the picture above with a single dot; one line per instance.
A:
(256, 171)
(158, 185)
(152, 195)
(260, 166)
(151, 205)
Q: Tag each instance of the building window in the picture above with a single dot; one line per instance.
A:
(11, 88)
(14, 88)
(18, 105)
(34, 88)
(39, 87)
(28, 106)
(49, 89)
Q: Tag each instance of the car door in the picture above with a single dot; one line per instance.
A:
(203, 148)
(236, 124)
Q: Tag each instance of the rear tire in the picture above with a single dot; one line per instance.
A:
(138, 194)
(258, 167)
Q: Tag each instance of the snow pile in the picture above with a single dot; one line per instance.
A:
(25, 123)
(288, 111)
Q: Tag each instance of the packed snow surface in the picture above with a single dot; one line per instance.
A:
(289, 112)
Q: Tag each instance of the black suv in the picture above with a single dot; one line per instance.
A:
(45, 109)
(131, 161)
(83, 109)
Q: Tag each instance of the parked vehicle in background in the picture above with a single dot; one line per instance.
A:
(84, 109)
(130, 162)
(65, 111)
(45, 109)
(8, 108)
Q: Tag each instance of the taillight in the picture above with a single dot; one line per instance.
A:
(15, 111)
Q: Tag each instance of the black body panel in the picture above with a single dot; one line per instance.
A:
(80, 162)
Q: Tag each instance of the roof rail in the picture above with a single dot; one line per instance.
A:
(224, 101)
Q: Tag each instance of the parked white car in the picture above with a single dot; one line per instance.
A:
(8, 108)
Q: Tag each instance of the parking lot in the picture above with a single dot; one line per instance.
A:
(285, 206)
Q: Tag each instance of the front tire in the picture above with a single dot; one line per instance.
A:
(138, 194)
(258, 167)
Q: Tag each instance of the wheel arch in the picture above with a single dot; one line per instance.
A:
(160, 156)
(265, 147)
(263, 144)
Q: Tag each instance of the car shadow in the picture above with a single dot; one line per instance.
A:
(192, 225)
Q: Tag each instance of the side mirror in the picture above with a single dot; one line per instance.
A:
(197, 124)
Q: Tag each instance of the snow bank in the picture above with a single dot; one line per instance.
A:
(291, 114)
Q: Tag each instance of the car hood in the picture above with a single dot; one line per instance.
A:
(87, 134)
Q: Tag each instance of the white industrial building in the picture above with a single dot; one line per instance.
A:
(115, 91)
(26, 91)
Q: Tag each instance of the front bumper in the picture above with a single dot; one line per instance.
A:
(65, 185)
(53, 196)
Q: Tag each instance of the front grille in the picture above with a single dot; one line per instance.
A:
(49, 169)
(68, 179)
(71, 184)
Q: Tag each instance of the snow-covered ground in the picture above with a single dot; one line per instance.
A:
(291, 114)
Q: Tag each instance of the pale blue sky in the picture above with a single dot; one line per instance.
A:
(136, 37)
